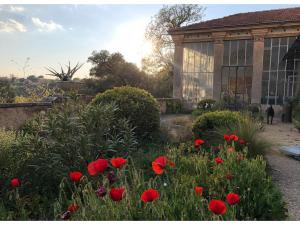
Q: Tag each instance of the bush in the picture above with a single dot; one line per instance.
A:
(206, 104)
(208, 123)
(174, 106)
(7, 139)
(136, 105)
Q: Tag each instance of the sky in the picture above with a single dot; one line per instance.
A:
(51, 35)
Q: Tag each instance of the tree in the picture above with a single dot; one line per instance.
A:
(169, 17)
(114, 70)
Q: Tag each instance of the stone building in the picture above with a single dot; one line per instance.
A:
(243, 56)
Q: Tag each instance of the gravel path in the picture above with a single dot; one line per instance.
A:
(285, 170)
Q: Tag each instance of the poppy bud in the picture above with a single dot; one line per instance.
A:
(101, 191)
(112, 178)
(66, 215)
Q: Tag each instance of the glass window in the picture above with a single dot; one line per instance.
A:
(197, 73)
(238, 53)
(276, 71)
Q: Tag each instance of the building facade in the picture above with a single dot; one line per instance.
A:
(242, 56)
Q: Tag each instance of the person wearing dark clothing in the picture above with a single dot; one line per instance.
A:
(270, 113)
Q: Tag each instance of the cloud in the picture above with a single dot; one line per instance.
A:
(12, 26)
(17, 9)
(46, 27)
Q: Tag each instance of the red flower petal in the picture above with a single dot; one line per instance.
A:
(234, 137)
(219, 160)
(118, 162)
(98, 166)
(73, 207)
(158, 169)
(199, 190)
(232, 198)
(149, 195)
(198, 142)
(116, 194)
(15, 182)
(161, 160)
(226, 137)
(75, 176)
(217, 207)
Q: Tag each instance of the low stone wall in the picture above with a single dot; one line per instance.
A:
(14, 115)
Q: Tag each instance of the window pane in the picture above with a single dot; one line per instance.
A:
(266, 59)
(233, 53)
(274, 58)
(241, 53)
(226, 53)
(249, 50)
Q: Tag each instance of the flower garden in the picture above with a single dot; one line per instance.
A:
(109, 160)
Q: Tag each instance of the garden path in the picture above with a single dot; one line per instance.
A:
(284, 170)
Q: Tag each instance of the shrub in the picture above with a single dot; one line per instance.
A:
(136, 105)
(206, 104)
(208, 123)
(174, 106)
(7, 139)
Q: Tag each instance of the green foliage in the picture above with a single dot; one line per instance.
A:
(259, 198)
(136, 105)
(206, 104)
(174, 106)
(207, 124)
(7, 92)
(7, 139)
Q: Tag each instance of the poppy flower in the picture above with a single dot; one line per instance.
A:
(226, 137)
(230, 150)
(234, 137)
(15, 182)
(73, 208)
(159, 164)
(217, 207)
(150, 195)
(112, 178)
(171, 164)
(242, 142)
(66, 215)
(116, 194)
(219, 160)
(101, 191)
(198, 142)
(118, 162)
(199, 190)
(98, 166)
(229, 176)
(232, 198)
(75, 176)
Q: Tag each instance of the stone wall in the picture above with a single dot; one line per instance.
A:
(13, 115)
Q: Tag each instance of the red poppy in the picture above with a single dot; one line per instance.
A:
(15, 182)
(75, 176)
(118, 162)
(198, 142)
(232, 198)
(229, 176)
(219, 160)
(150, 195)
(116, 194)
(199, 190)
(226, 137)
(234, 137)
(159, 164)
(243, 142)
(73, 208)
(217, 207)
(231, 150)
(171, 164)
(98, 166)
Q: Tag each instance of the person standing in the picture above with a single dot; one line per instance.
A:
(270, 113)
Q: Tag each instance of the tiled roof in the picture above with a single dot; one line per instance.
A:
(246, 19)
